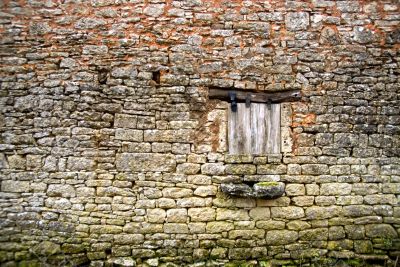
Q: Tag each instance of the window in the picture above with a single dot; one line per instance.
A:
(257, 122)
(254, 129)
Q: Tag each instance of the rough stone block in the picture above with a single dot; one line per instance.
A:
(188, 168)
(380, 231)
(145, 162)
(177, 215)
(260, 213)
(201, 214)
(234, 215)
(318, 213)
(129, 135)
(297, 21)
(335, 189)
(270, 225)
(174, 192)
(176, 228)
(247, 234)
(61, 190)
(205, 191)
(238, 169)
(272, 169)
(281, 237)
(314, 234)
(295, 190)
(314, 169)
(80, 164)
(213, 169)
(156, 215)
(15, 186)
(287, 212)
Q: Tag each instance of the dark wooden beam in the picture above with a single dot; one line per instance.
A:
(241, 95)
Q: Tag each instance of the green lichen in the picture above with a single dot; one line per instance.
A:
(267, 184)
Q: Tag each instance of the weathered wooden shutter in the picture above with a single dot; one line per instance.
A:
(254, 129)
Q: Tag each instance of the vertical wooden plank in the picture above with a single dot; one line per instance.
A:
(274, 137)
(258, 136)
(239, 130)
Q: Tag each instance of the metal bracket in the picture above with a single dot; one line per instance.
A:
(269, 102)
(232, 97)
(248, 100)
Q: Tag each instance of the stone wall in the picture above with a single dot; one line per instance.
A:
(111, 151)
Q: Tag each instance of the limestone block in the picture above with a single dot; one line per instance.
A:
(272, 169)
(312, 189)
(166, 203)
(287, 212)
(238, 169)
(336, 233)
(318, 213)
(357, 210)
(234, 215)
(193, 202)
(260, 213)
(177, 215)
(298, 225)
(314, 169)
(355, 231)
(177, 136)
(145, 162)
(151, 228)
(199, 179)
(105, 229)
(295, 190)
(303, 201)
(380, 231)
(201, 214)
(281, 237)
(219, 227)
(270, 225)
(15, 186)
(204, 191)
(314, 234)
(330, 189)
(154, 10)
(80, 164)
(68, 63)
(176, 228)
(325, 200)
(363, 246)
(175, 192)
(129, 135)
(125, 121)
(247, 234)
(297, 21)
(365, 188)
(128, 239)
(16, 162)
(61, 190)
(197, 228)
(95, 50)
(213, 169)
(156, 215)
(188, 168)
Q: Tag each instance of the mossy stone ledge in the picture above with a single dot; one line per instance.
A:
(258, 190)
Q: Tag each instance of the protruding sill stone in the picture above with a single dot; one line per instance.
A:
(259, 190)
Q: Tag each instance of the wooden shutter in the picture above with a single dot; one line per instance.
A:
(254, 129)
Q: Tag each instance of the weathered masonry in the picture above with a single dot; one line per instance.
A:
(152, 132)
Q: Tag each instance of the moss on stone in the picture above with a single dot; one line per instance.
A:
(267, 184)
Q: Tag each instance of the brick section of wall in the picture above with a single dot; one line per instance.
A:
(112, 153)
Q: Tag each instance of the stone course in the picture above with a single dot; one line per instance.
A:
(112, 153)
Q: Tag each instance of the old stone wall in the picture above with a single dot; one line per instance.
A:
(111, 151)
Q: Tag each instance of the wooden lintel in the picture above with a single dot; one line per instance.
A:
(241, 95)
